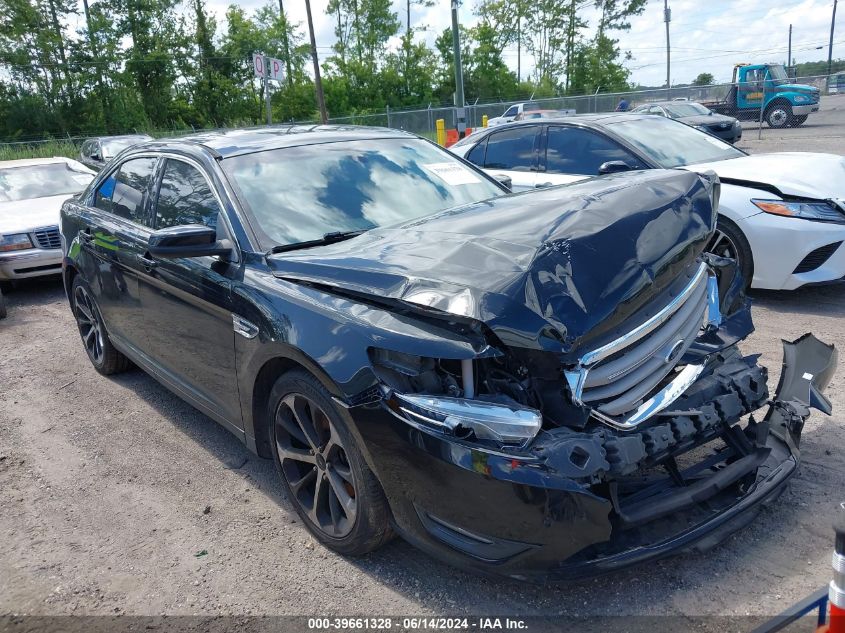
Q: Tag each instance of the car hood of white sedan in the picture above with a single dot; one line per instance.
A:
(806, 175)
(20, 216)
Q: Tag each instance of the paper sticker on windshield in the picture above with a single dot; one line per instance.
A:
(452, 173)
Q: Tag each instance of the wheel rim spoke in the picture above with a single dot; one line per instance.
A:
(315, 465)
(347, 502)
(89, 324)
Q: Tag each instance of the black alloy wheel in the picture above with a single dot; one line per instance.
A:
(102, 354)
(333, 490)
(315, 465)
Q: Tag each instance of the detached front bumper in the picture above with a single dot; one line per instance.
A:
(577, 504)
(30, 263)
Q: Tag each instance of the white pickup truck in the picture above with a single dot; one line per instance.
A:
(511, 112)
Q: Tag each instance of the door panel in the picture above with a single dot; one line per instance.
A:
(118, 234)
(187, 301)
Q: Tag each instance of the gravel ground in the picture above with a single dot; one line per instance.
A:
(116, 497)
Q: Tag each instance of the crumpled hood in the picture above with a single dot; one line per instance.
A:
(21, 216)
(542, 269)
(806, 175)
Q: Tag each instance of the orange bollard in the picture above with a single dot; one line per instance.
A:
(451, 137)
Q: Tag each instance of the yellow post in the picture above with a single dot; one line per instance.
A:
(441, 132)
(484, 120)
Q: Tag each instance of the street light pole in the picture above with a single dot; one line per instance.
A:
(667, 17)
(459, 74)
(318, 84)
(830, 46)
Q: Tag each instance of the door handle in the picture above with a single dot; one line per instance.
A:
(147, 262)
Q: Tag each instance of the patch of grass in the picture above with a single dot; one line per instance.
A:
(16, 151)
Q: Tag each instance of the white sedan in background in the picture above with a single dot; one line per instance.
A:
(781, 215)
(31, 196)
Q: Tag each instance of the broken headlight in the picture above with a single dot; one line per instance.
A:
(440, 394)
(503, 423)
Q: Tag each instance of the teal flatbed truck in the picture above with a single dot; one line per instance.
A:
(767, 89)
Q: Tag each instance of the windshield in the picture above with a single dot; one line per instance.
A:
(778, 73)
(673, 144)
(677, 111)
(41, 181)
(297, 194)
(113, 147)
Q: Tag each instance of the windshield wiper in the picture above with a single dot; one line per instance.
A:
(328, 238)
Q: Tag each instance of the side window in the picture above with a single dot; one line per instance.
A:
(476, 154)
(512, 149)
(512, 111)
(105, 192)
(185, 197)
(571, 150)
(131, 182)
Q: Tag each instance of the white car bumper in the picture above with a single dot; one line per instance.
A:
(34, 262)
(792, 252)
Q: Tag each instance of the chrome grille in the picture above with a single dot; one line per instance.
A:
(48, 237)
(625, 381)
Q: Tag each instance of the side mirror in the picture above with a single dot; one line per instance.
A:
(504, 180)
(188, 240)
(613, 167)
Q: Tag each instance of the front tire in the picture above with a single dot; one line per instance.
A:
(2, 306)
(729, 241)
(325, 475)
(102, 354)
(779, 115)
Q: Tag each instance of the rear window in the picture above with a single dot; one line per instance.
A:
(41, 181)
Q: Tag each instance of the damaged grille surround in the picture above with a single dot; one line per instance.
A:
(623, 383)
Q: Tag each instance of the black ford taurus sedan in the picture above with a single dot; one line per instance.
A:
(540, 385)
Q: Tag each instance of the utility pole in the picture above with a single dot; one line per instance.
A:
(789, 54)
(459, 74)
(667, 17)
(285, 38)
(318, 84)
(518, 45)
(267, 106)
(830, 47)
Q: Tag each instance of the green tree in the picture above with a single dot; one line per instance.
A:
(703, 79)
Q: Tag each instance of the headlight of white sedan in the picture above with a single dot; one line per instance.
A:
(810, 210)
(15, 242)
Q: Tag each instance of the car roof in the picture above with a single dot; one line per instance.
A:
(585, 120)
(236, 142)
(30, 162)
(666, 103)
(120, 137)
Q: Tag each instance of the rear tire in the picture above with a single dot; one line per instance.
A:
(2, 306)
(102, 354)
(322, 469)
(729, 241)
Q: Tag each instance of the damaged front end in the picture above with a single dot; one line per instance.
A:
(605, 414)
(668, 431)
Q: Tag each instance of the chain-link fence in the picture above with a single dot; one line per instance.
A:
(423, 122)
